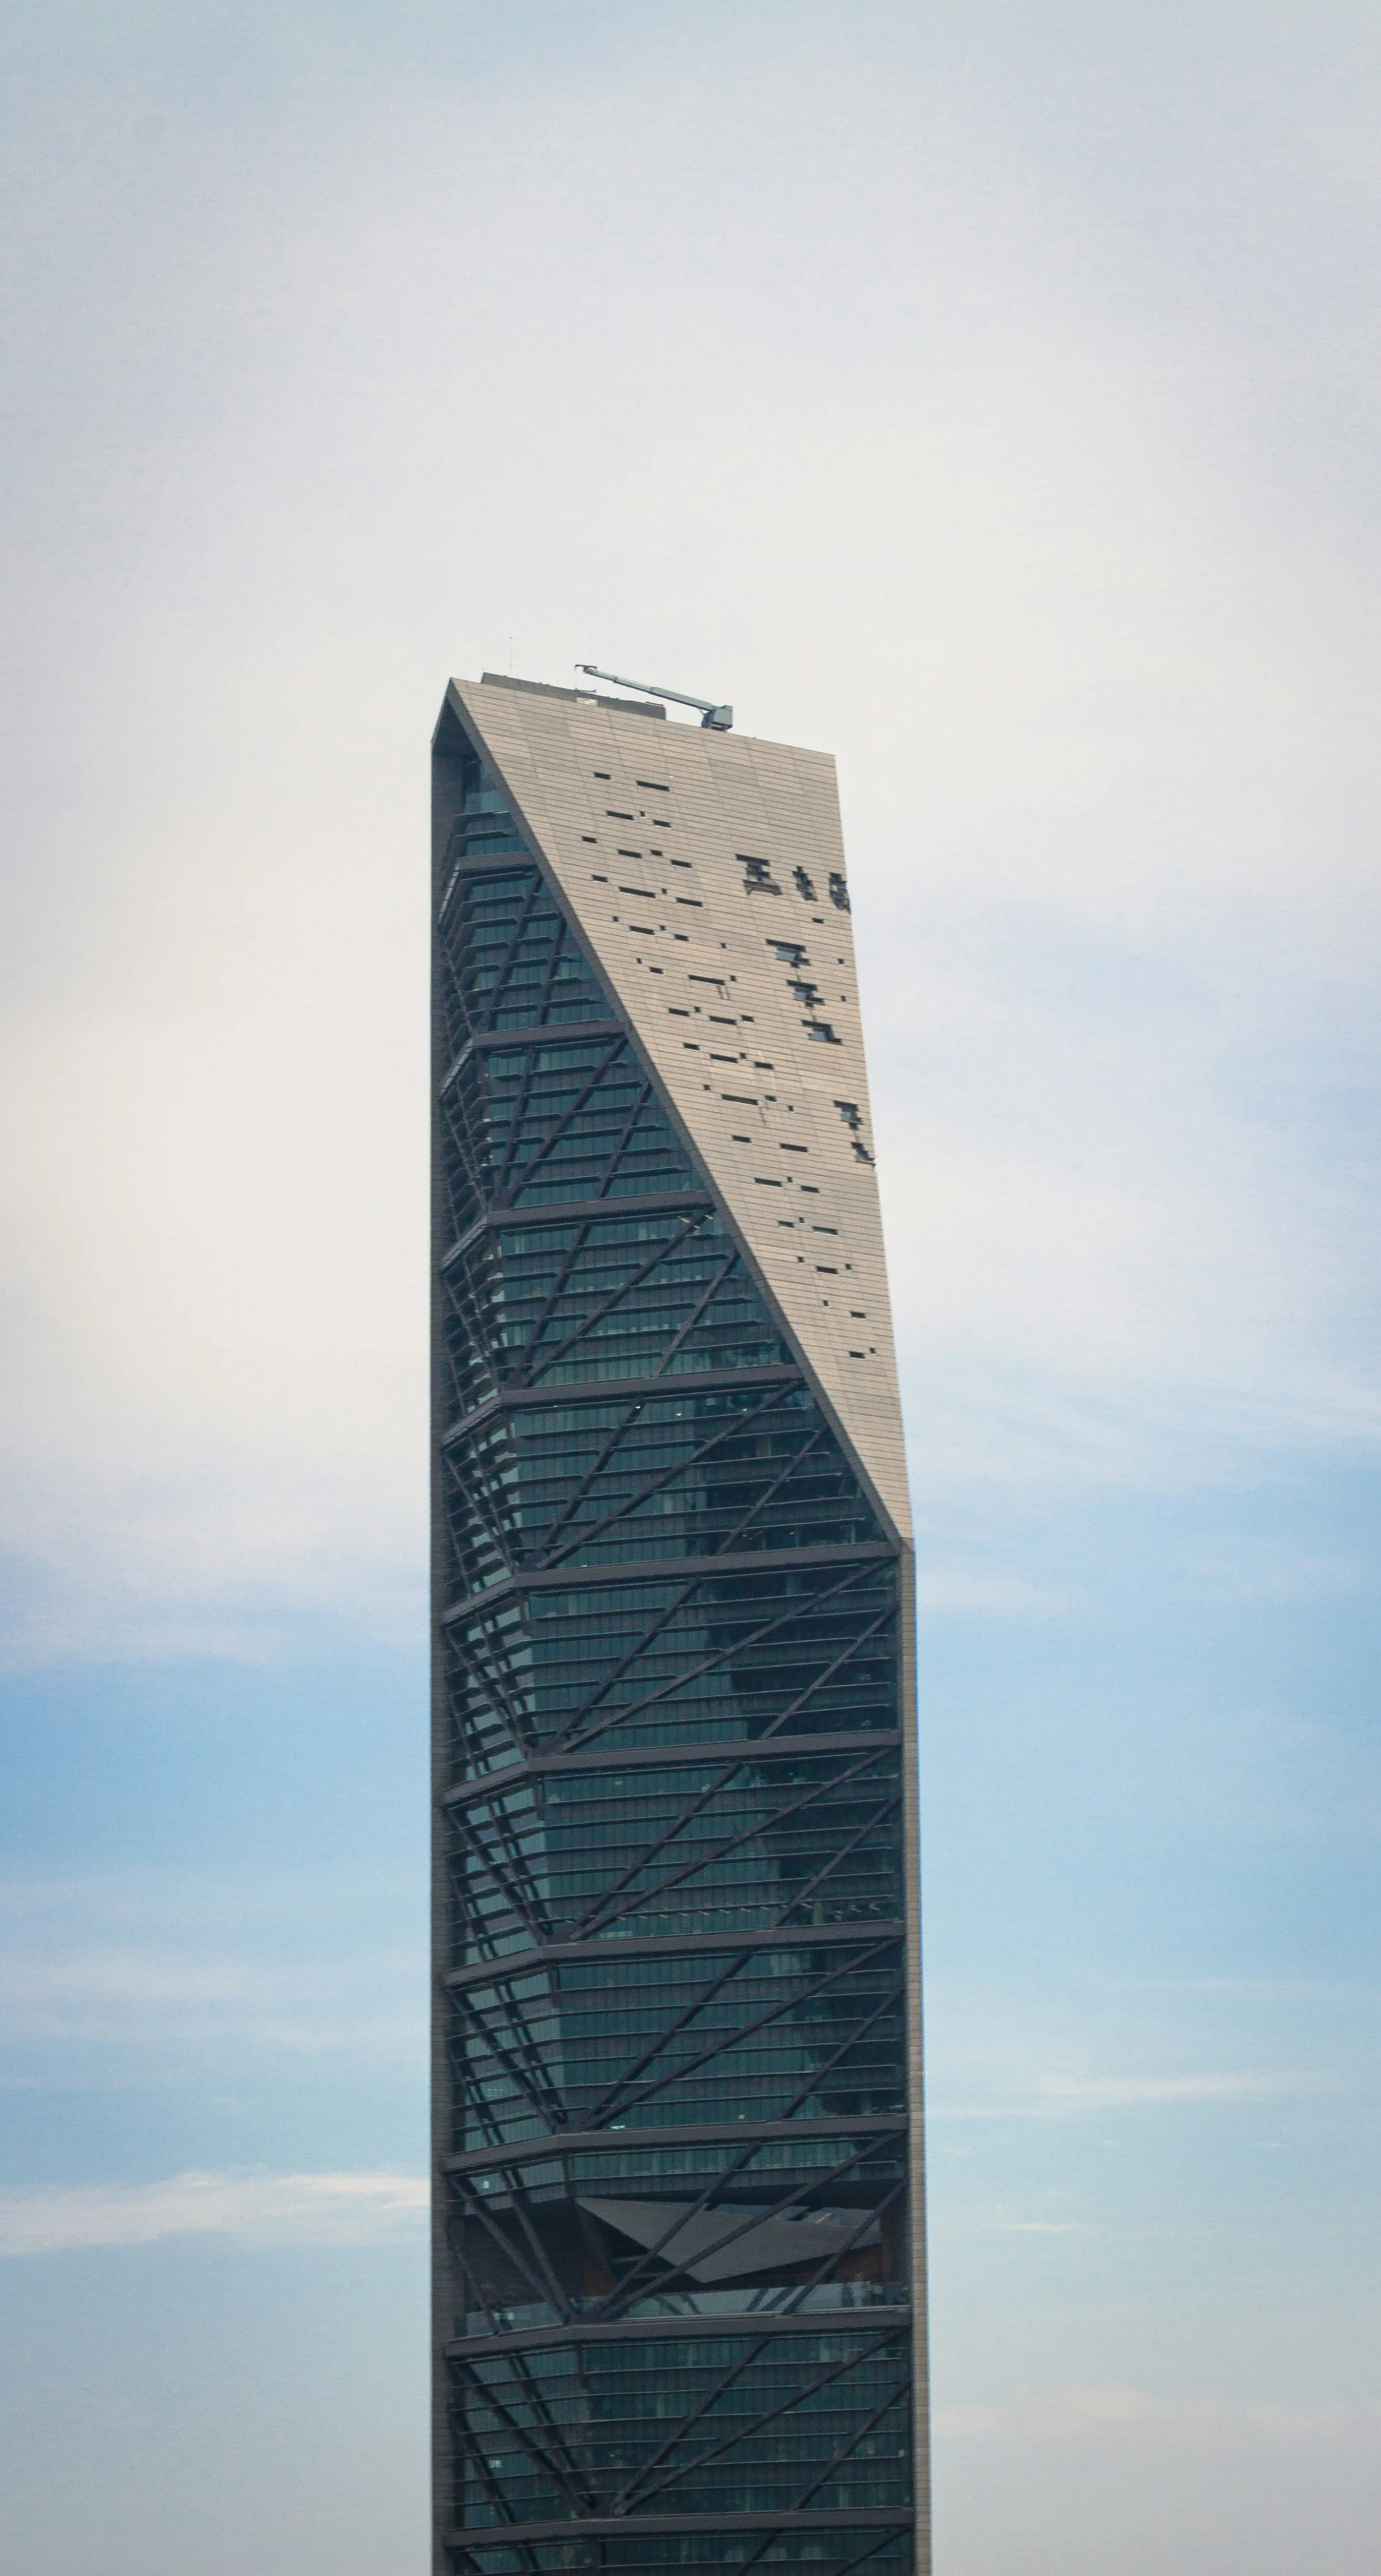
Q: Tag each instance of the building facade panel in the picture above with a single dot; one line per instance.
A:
(678, 2249)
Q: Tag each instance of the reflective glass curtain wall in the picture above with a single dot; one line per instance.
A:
(676, 2263)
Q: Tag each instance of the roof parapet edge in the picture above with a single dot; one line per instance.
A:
(573, 697)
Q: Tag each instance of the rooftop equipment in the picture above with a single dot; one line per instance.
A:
(718, 719)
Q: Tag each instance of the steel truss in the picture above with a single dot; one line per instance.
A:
(669, 1837)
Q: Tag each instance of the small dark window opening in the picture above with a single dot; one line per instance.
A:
(757, 875)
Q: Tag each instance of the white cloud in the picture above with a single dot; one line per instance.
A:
(254, 2209)
(957, 1590)
(1148, 2092)
(158, 1971)
(1098, 2413)
(1072, 2480)
(1036, 551)
(1035, 2227)
(1057, 2096)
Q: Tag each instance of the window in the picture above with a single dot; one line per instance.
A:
(602, 773)
(654, 786)
(839, 894)
(692, 899)
(789, 951)
(617, 815)
(848, 1111)
(757, 875)
(821, 1029)
(793, 1149)
(803, 885)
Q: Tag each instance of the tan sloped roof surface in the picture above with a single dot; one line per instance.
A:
(654, 834)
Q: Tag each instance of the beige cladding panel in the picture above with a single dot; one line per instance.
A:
(648, 829)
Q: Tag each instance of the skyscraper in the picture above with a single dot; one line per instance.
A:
(679, 2259)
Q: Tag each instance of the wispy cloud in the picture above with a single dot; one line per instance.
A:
(1137, 2092)
(1113, 2411)
(967, 1591)
(158, 1969)
(1035, 2227)
(1057, 2095)
(252, 2208)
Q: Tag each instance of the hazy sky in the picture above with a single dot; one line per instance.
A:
(988, 394)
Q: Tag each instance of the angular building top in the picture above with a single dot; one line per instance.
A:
(706, 874)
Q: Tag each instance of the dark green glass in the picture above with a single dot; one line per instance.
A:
(672, 1855)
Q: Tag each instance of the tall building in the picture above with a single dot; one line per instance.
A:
(679, 2258)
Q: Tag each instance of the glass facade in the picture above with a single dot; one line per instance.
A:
(674, 2325)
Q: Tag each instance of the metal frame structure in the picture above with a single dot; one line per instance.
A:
(679, 2267)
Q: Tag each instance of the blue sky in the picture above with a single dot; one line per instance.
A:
(988, 394)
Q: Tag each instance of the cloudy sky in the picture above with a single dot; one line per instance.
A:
(987, 393)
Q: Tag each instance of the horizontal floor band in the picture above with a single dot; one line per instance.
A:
(499, 863)
(673, 1757)
(571, 1211)
(534, 1033)
(673, 1569)
(668, 1945)
(509, 2535)
(619, 1390)
(704, 2133)
(889, 2325)
(550, 1033)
